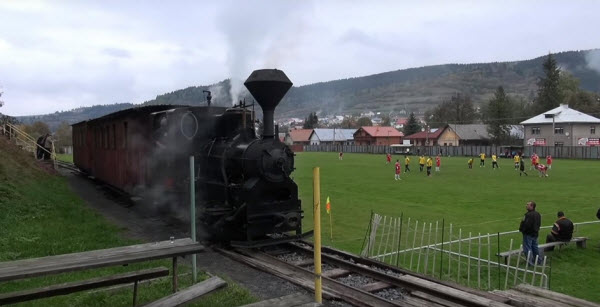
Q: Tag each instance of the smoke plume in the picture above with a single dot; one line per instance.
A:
(259, 39)
(593, 60)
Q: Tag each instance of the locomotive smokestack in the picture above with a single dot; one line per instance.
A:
(268, 86)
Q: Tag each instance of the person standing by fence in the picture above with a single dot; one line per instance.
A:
(530, 227)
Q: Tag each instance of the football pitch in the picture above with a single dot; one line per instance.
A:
(478, 200)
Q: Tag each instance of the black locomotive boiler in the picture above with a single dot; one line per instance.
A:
(244, 192)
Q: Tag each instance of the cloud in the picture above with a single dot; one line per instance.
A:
(116, 52)
(76, 53)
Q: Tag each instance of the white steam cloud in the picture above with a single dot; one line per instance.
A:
(593, 60)
(265, 44)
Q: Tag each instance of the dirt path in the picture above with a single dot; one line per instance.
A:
(139, 224)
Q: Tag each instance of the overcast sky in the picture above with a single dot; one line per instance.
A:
(60, 55)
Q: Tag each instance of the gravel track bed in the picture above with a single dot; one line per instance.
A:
(292, 257)
(355, 280)
(392, 294)
(324, 267)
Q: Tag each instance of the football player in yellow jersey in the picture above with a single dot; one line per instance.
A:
(421, 162)
(429, 165)
(482, 159)
(494, 161)
(470, 163)
(406, 163)
(517, 160)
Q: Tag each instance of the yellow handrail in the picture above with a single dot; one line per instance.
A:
(33, 142)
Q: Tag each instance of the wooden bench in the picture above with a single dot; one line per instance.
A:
(72, 287)
(580, 241)
(190, 294)
(36, 267)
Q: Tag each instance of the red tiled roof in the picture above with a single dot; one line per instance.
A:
(401, 121)
(300, 135)
(422, 135)
(381, 131)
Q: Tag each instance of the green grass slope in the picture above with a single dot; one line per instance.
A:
(41, 216)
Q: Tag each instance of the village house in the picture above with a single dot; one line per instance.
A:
(298, 137)
(429, 138)
(371, 135)
(332, 136)
(561, 126)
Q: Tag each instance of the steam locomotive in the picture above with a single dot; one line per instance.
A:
(244, 192)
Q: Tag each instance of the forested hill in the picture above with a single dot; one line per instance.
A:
(412, 90)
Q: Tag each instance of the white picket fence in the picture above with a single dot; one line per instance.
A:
(442, 251)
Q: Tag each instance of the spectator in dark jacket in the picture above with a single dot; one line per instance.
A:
(562, 230)
(530, 227)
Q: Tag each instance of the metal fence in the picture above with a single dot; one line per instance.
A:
(568, 152)
(440, 250)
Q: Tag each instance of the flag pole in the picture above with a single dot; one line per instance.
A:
(330, 227)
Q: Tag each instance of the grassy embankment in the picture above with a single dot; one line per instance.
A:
(41, 216)
(477, 200)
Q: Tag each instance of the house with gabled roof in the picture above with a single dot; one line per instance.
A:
(332, 136)
(426, 138)
(375, 135)
(298, 137)
(561, 126)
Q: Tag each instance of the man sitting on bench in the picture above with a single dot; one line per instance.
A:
(562, 230)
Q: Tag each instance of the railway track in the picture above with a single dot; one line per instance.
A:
(359, 281)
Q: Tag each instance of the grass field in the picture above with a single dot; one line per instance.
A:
(477, 200)
(65, 157)
(41, 216)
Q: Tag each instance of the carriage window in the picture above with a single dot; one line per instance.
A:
(125, 135)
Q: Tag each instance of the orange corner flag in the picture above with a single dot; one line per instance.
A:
(328, 206)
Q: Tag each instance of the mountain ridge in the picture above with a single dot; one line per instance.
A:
(403, 91)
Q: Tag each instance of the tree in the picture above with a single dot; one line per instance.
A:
(364, 121)
(497, 116)
(458, 110)
(348, 123)
(36, 129)
(312, 121)
(63, 135)
(550, 93)
(386, 121)
(412, 125)
(578, 99)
